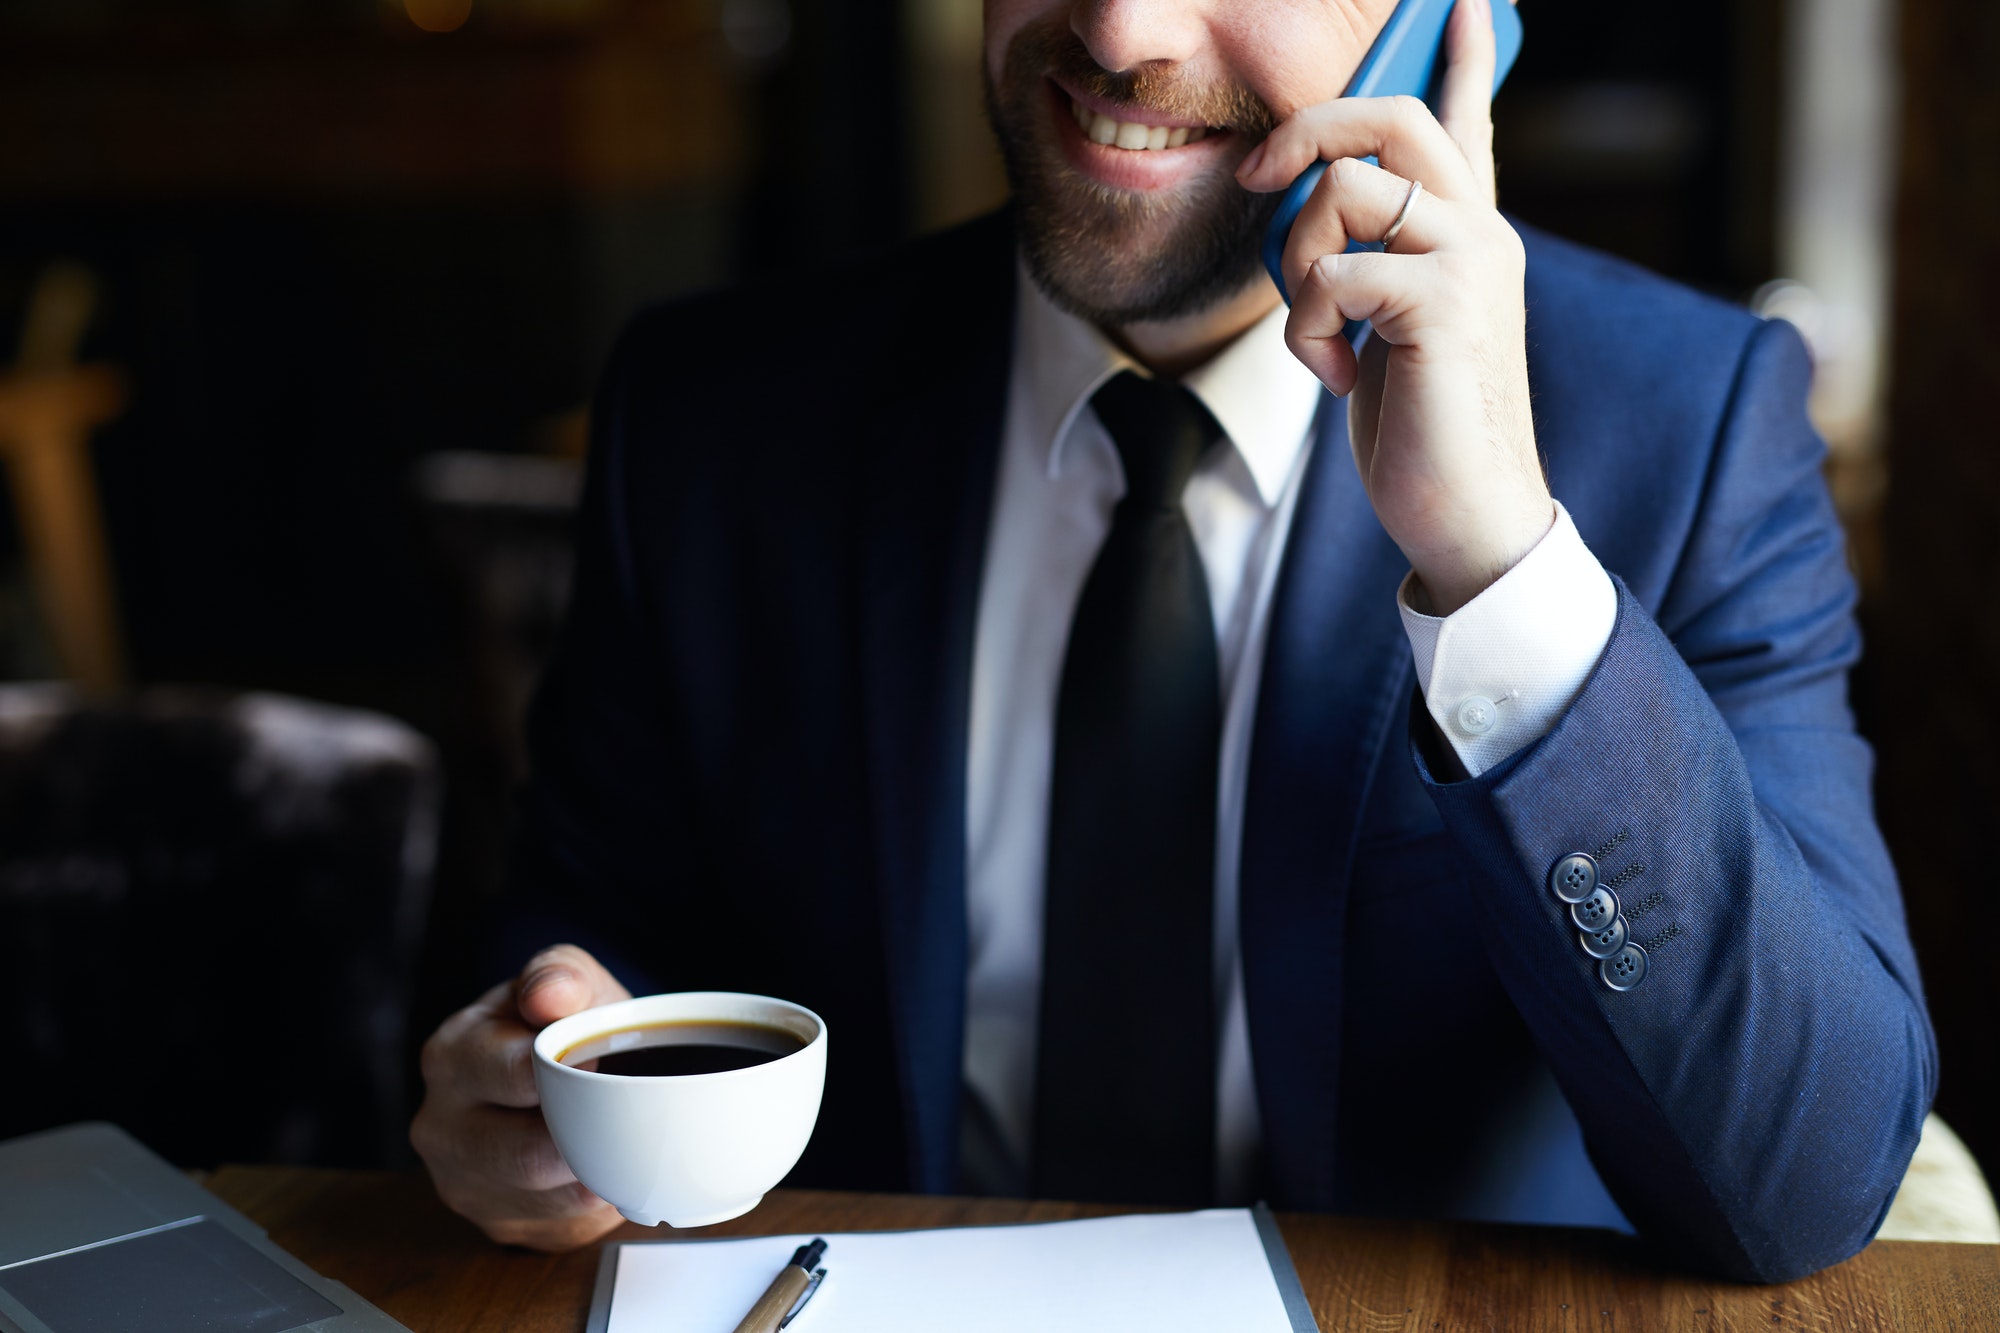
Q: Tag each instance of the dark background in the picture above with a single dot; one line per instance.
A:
(332, 245)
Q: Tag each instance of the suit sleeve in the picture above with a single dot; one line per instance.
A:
(1753, 1103)
(598, 844)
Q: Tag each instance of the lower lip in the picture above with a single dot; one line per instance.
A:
(1134, 168)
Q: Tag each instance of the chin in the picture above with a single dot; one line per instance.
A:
(1127, 235)
(1116, 259)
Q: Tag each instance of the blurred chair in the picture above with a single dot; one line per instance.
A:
(209, 904)
(501, 527)
(48, 407)
(499, 537)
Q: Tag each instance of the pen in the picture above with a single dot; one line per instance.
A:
(789, 1291)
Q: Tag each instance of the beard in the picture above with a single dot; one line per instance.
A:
(1117, 257)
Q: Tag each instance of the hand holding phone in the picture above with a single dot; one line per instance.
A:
(1407, 58)
(1438, 410)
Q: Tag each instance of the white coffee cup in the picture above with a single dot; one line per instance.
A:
(688, 1149)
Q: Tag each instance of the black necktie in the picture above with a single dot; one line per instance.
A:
(1125, 1079)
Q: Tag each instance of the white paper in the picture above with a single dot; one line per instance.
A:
(1165, 1273)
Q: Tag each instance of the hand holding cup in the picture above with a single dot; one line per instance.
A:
(480, 1129)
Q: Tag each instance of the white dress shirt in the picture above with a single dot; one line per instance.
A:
(1496, 674)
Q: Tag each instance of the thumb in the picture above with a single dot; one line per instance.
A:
(1465, 107)
(561, 981)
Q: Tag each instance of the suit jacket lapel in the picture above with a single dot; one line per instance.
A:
(932, 456)
(1336, 680)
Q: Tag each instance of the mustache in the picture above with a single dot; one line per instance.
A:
(1054, 50)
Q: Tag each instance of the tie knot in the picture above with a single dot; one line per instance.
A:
(1160, 430)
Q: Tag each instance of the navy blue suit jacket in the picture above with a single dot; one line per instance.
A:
(749, 769)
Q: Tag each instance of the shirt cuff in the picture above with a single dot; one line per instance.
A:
(1499, 671)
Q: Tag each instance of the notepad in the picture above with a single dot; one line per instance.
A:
(1224, 1268)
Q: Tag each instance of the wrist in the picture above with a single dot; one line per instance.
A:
(1448, 578)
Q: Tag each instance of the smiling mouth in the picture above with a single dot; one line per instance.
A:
(1102, 129)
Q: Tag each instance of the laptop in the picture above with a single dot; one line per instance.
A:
(99, 1235)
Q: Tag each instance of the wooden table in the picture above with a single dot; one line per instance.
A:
(386, 1236)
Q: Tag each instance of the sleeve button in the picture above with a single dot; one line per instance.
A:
(1624, 969)
(1574, 877)
(1607, 942)
(1597, 911)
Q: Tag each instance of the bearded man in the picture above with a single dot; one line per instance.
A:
(1187, 760)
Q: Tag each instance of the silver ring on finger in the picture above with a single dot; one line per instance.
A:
(1396, 227)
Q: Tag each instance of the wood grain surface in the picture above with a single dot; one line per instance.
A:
(386, 1236)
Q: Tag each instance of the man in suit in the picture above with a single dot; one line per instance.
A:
(1185, 759)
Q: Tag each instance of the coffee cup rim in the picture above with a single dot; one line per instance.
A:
(552, 1040)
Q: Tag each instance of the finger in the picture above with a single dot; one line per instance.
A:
(1355, 200)
(1364, 405)
(498, 999)
(482, 1053)
(496, 1064)
(1316, 333)
(562, 1231)
(561, 981)
(1329, 356)
(549, 1212)
(499, 1147)
(1398, 294)
(1398, 130)
(1465, 106)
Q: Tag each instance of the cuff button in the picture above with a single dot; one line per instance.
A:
(1625, 969)
(1597, 911)
(1477, 715)
(1607, 942)
(1574, 877)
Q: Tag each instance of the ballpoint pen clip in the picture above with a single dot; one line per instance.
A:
(819, 1276)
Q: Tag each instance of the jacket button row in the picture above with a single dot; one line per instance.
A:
(1601, 926)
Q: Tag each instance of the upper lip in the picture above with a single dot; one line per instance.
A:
(1129, 115)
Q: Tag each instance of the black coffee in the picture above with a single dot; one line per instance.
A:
(667, 1049)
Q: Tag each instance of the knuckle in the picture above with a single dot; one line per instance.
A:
(1407, 111)
(586, 1228)
(510, 1231)
(517, 1067)
(554, 955)
(1319, 113)
(455, 1198)
(557, 957)
(1295, 341)
(434, 1059)
(549, 1237)
(562, 952)
(423, 1133)
(1345, 173)
(552, 1221)
(1497, 250)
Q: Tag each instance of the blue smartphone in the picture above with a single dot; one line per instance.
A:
(1407, 58)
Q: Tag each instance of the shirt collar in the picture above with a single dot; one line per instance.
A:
(1259, 393)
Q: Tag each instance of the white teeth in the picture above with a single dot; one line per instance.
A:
(1130, 134)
